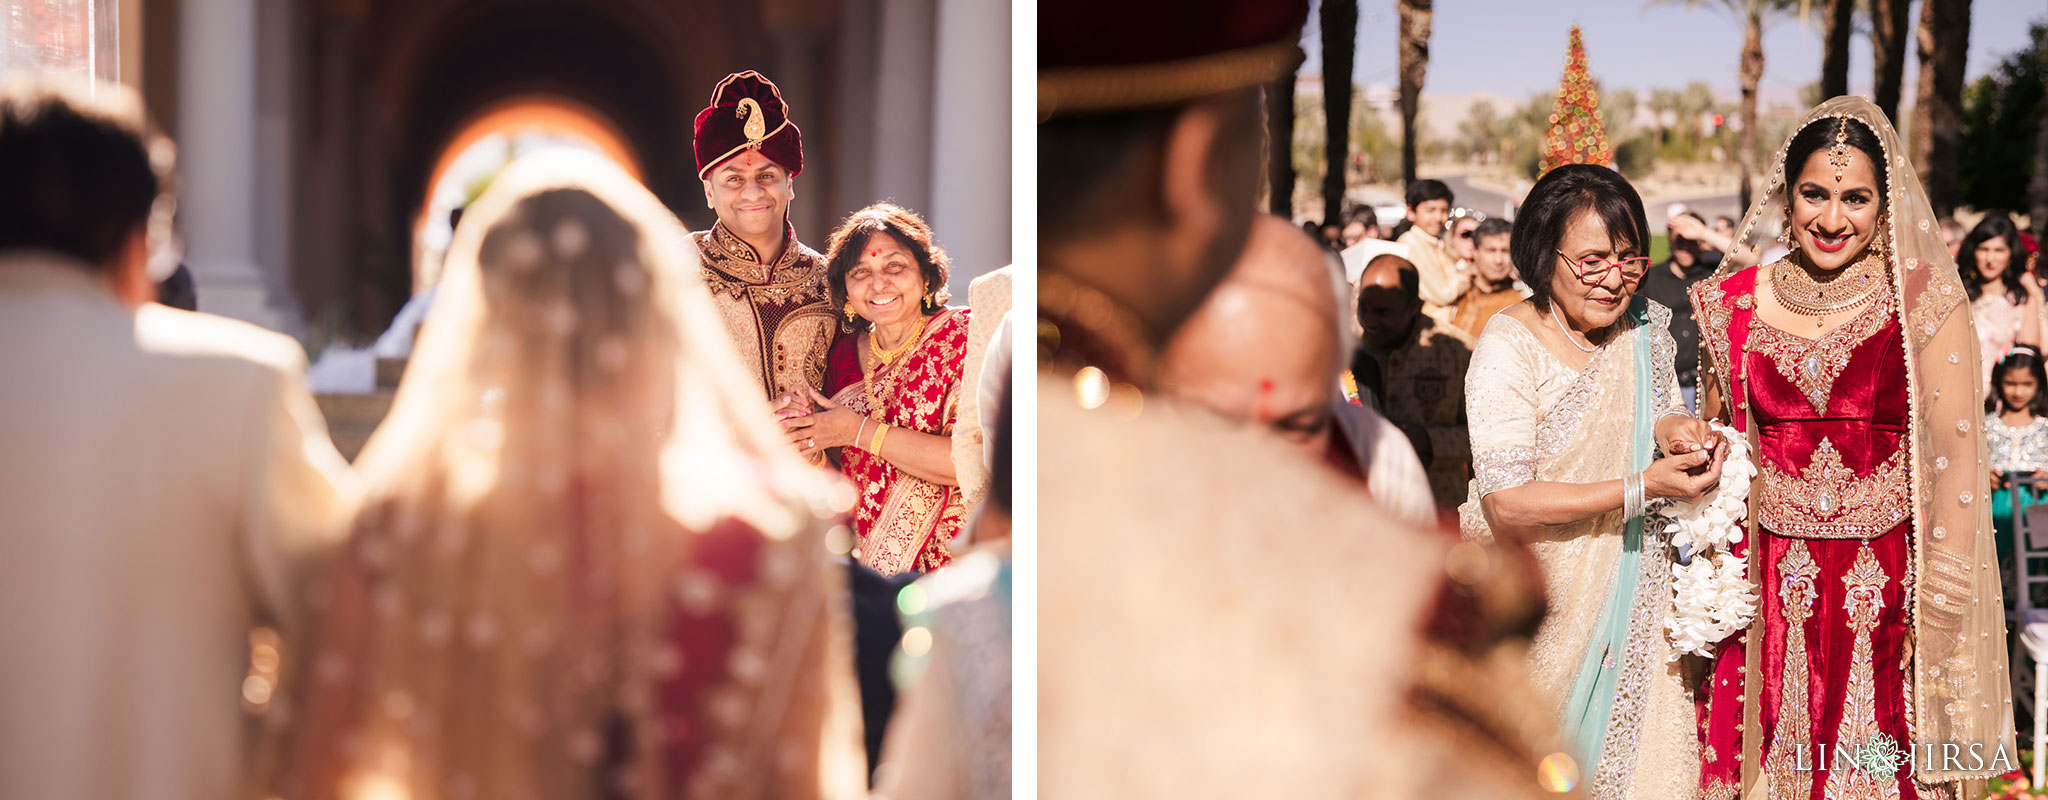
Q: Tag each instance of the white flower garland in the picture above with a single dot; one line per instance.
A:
(1711, 595)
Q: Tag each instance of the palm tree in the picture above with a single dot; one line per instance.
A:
(1340, 41)
(1280, 146)
(1754, 15)
(1834, 60)
(1662, 102)
(1415, 18)
(1937, 130)
(1888, 20)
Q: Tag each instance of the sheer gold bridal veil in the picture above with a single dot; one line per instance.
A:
(575, 462)
(1961, 692)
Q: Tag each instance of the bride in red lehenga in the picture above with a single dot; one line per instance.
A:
(1876, 665)
(589, 565)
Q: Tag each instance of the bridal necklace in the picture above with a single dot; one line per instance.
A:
(1853, 286)
(1568, 334)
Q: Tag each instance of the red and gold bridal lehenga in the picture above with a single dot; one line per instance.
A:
(589, 566)
(1876, 665)
(904, 522)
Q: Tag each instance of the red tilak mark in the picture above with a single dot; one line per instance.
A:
(875, 252)
(1263, 412)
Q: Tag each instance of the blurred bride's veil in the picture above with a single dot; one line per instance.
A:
(589, 565)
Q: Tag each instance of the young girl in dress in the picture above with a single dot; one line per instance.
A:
(2016, 438)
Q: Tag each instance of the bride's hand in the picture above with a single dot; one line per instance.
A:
(1686, 476)
(1677, 435)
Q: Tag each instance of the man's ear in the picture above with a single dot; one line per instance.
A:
(128, 275)
(1185, 193)
(707, 196)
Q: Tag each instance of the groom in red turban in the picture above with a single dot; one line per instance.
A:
(769, 287)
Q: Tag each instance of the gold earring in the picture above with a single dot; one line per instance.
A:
(849, 313)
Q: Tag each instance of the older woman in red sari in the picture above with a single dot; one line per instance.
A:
(891, 388)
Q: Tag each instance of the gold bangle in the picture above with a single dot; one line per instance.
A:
(875, 446)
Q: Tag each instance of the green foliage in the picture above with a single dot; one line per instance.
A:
(1636, 156)
(2001, 123)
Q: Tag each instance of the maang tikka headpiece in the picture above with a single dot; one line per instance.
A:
(1838, 156)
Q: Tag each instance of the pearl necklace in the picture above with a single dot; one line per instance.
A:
(1568, 333)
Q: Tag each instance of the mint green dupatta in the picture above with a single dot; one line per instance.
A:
(1605, 704)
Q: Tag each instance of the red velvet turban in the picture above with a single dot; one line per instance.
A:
(747, 113)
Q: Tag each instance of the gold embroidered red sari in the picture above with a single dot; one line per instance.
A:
(904, 522)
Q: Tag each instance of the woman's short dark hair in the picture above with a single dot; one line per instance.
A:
(842, 251)
(81, 172)
(2025, 359)
(1820, 134)
(1994, 226)
(1558, 198)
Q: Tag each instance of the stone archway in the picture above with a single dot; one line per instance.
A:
(533, 114)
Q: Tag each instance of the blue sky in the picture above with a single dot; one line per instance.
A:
(1516, 47)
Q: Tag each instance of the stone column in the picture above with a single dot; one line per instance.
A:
(902, 163)
(970, 155)
(217, 146)
(797, 65)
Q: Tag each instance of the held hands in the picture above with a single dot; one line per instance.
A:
(830, 425)
(1686, 476)
(1678, 434)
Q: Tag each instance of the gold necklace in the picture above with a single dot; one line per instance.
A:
(1798, 291)
(883, 359)
(889, 356)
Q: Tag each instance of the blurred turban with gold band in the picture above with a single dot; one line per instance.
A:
(1152, 53)
(747, 113)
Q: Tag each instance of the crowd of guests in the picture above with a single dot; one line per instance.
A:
(643, 520)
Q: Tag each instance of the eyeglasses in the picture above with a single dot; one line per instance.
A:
(1592, 270)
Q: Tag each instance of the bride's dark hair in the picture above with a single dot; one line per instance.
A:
(1821, 135)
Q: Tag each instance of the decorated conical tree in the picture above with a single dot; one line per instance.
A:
(1576, 135)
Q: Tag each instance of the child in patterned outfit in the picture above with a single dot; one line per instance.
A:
(2016, 436)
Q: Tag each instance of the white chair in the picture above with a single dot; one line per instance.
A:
(2030, 547)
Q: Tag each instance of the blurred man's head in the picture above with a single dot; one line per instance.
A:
(83, 176)
(1724, 225)
(1333, 236)
(1490, 258)
(1389, 300)
(1266, 346)
(1171, 190)
(1429, 206)
(1686, 252)
(1150, 163)
(1360, 224)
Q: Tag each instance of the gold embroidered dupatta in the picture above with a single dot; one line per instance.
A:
(1960, 688)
